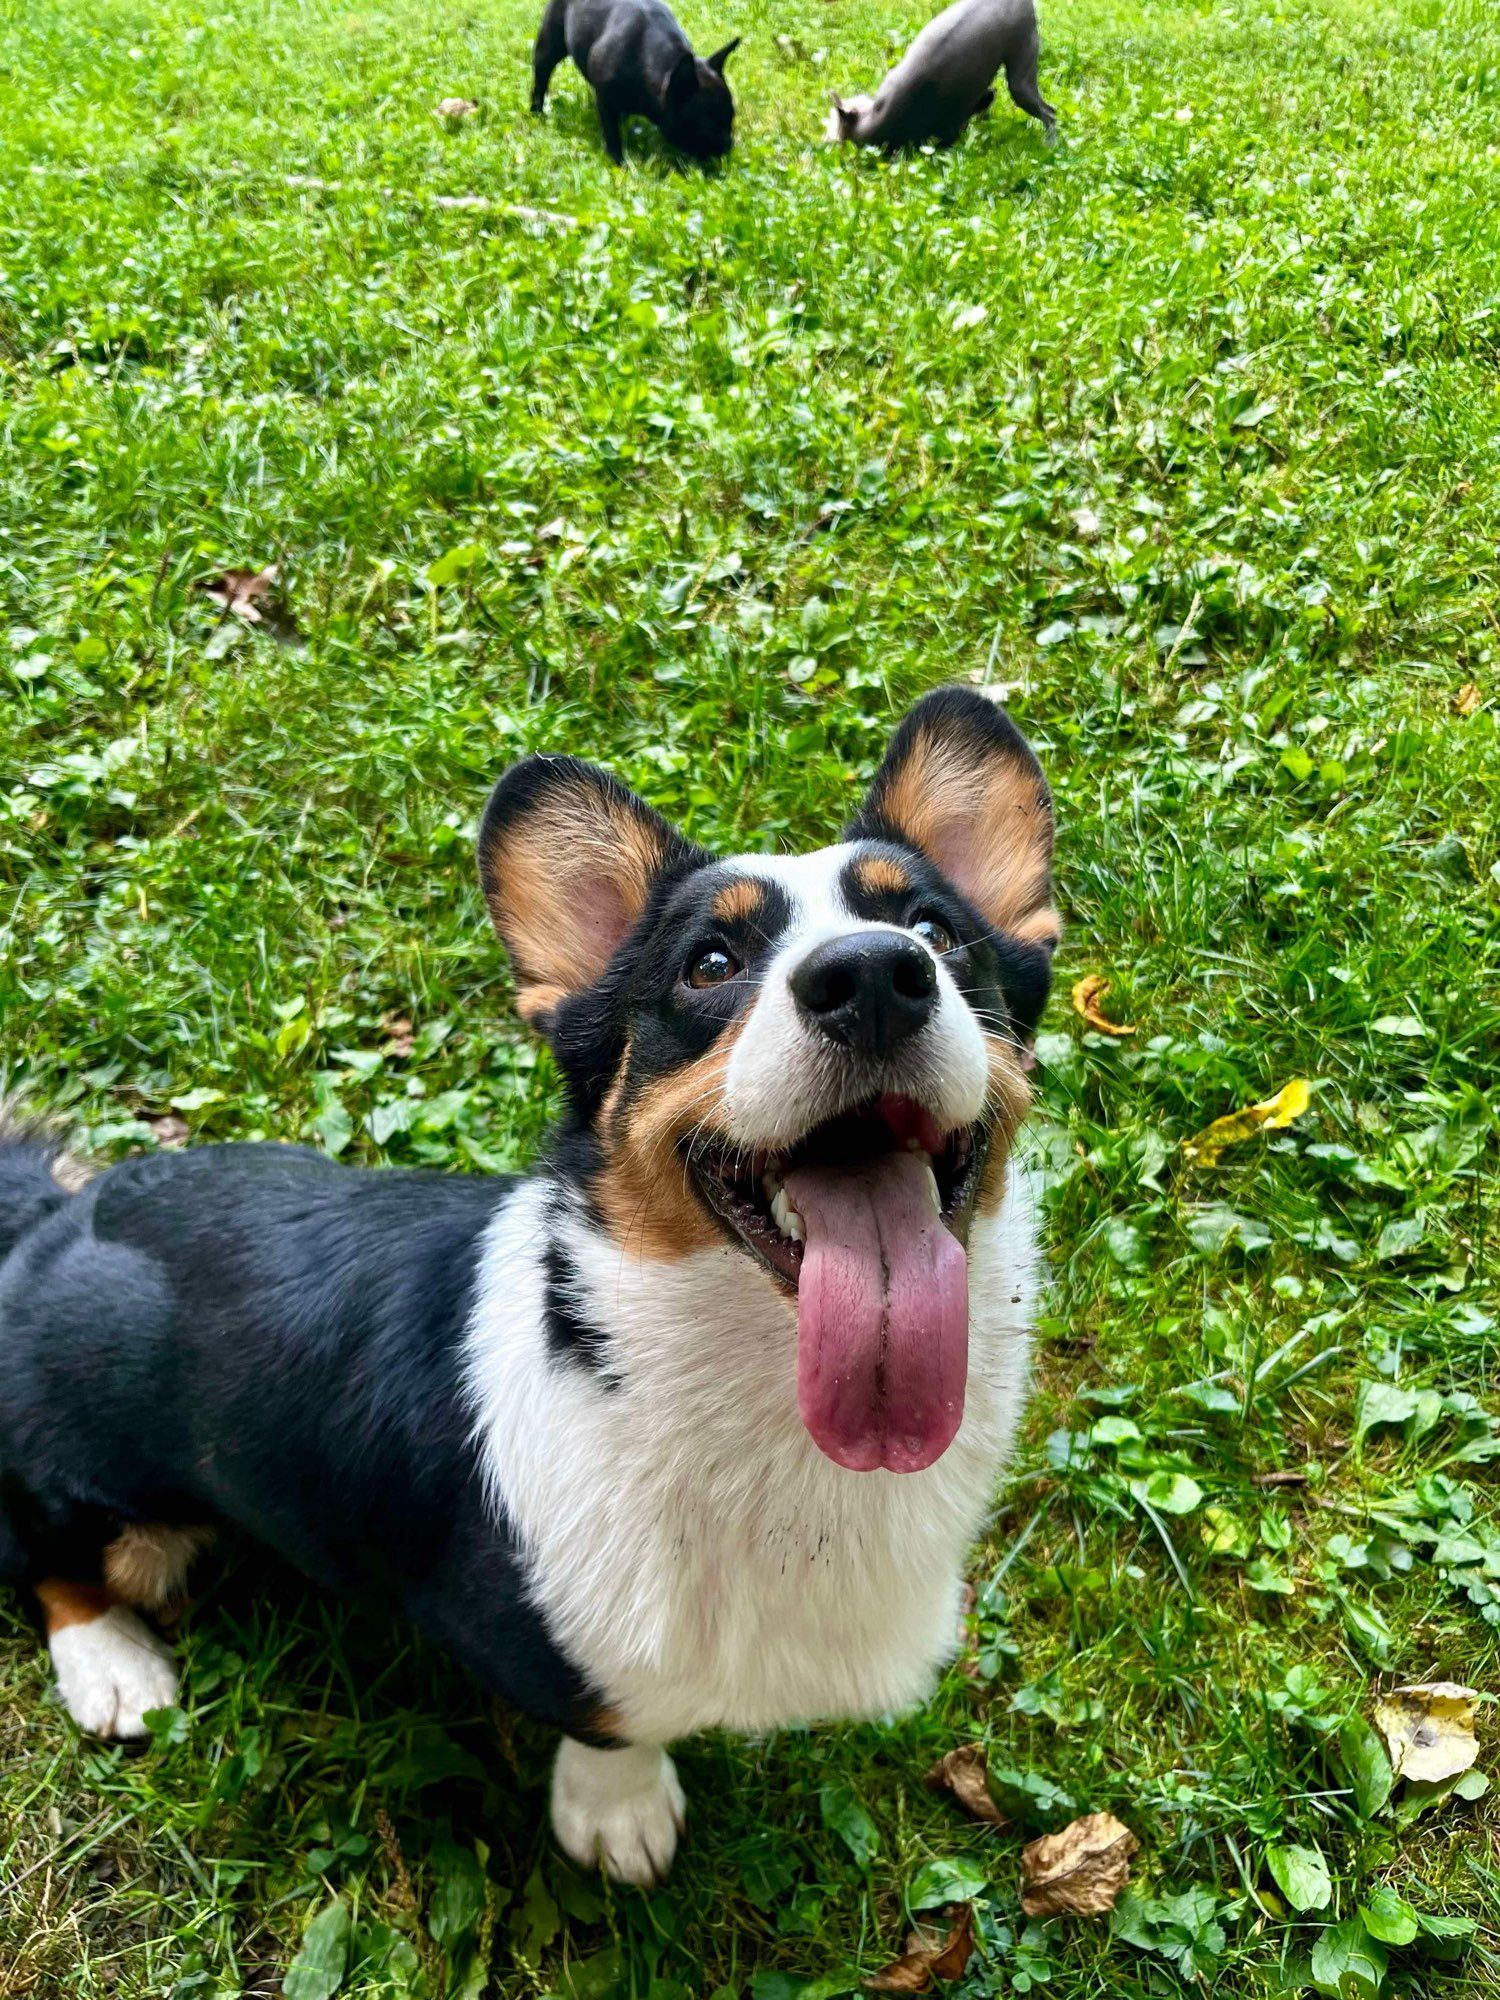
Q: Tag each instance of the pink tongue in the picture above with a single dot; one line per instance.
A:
(882, 1315)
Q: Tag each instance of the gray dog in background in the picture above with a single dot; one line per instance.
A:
(946, 78)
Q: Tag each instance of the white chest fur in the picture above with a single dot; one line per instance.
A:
(693, 1551)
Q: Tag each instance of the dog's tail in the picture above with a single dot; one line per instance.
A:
(36, 1176)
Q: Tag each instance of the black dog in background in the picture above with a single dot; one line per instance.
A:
(641, 65)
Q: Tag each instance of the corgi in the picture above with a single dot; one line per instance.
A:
(690, 1427)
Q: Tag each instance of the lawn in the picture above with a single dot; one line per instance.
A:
(1183, 436)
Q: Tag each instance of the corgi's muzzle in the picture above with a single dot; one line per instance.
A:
(857, 1120)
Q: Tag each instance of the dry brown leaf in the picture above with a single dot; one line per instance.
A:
(951, 1959)
(244, 592)
(250, 595)
(964, 1775)
(929, 1956)
(1468, 698)
(1078, 1872)
(910, 1973)
(399, 1034)
(168, 1129)
(1087, 994)
(1429, 1729)
(455, 107)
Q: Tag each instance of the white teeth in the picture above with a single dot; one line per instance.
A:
(932, 1190)
(786, 1218)
(915, 1145)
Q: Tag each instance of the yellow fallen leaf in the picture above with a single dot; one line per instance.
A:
(1269, 1116)
(1467, 699)
(1087, 993)
(1078, 1872)
(1429, 1730)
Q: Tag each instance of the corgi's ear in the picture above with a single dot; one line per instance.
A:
(961, 785)
(721, 56)
(568, 859)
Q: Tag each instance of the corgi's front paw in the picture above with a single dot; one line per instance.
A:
(621, 1810)
(111, 1671)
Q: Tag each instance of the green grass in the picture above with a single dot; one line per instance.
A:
(1187, 434)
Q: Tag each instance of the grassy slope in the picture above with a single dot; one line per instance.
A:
(744, 462)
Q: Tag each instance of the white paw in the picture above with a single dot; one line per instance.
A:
(617, 1809)
(110, 1670)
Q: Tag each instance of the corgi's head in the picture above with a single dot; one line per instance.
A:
(818, 1059)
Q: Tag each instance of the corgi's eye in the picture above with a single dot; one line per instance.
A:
(711, 966)
(935, 934)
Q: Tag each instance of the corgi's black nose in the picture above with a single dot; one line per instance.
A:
(870, 990)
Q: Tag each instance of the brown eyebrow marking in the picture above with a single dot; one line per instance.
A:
(738, 901)
(878, 875)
